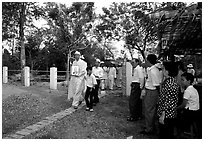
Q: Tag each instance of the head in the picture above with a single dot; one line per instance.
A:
(190, 66)
(89, 70)
(187, 79)
(135, 62)
(97, 63)
(152, 59)
(180, 66)
(170, 69)
(77, 55)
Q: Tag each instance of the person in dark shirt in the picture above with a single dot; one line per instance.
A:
(168, 100)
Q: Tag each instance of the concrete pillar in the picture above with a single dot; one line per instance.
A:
(5, 74)
(128, 78)
(53, 78)
(27, 76)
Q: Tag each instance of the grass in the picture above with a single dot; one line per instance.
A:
(21, 111)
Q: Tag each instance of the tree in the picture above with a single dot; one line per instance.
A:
(71, 25)
(129, 22)
(18, 14)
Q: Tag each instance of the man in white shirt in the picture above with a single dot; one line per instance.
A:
(98, 73)
(135, 103)
(77, 82)
(151, 91)
(111, 76)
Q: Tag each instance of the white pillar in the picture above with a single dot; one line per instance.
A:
(53, 78)
(5, 74)
(128, 78)
(27, 76)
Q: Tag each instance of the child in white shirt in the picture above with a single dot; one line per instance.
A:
(190, 102)
(91, 83)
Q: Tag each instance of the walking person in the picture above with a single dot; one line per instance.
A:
(90, 83)
(77, 82)
(104, 82)
(151, 93)
(135, 103)
(98, 73)
(168, 99)
(111, 76)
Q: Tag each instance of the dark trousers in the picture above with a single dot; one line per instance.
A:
(187, 118)
(166, 130)
(150, 107)
(95, 91)
(89, 97)
(135, 103)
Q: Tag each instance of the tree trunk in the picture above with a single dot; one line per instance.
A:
(68, 68)
(23, 59)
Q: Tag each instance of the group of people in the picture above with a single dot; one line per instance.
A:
(86, 80)
(168, 96)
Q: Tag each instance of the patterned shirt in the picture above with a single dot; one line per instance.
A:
(168, 98)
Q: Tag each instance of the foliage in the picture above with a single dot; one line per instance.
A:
(129, 22)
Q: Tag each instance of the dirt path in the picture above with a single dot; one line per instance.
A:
(108, 121)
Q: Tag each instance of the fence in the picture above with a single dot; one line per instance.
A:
(34, 76)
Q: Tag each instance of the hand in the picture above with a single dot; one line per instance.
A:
(161, 118)
(143, 93)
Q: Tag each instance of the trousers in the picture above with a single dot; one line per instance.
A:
(150, 106)
(89, 97)
(95, 92)
(135, 103)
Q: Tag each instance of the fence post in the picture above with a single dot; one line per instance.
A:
(53, 78)
(5, 74)
(27, 76)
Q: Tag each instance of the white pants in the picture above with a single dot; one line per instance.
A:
(111, 82)
(104, 83)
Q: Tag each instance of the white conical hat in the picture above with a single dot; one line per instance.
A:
(76, 52)
(190, 66)
(97, 60)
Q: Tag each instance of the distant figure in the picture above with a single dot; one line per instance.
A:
(98, 73)
(104, 82)
(90, 83)
(119, 76)
(77, 82)
(190, 69)
(111, 76)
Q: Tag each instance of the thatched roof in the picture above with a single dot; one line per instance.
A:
(182, 29)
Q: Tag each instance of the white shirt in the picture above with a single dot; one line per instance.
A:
(153, 78)
(91, 81)
(112, 72)
(138, 75)
(191, 94)
(81, 65)
(98, 72)
(105, 72)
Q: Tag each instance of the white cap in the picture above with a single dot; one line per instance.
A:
(190, 66)
(76, 52)
(97, 60)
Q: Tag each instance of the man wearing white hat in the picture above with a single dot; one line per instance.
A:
(77, 83)
(190, 69)
(98, 73)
